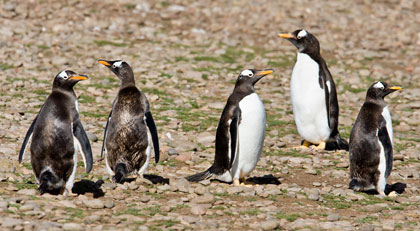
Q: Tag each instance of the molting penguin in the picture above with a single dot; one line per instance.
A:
(313, 95)
(57, 135)
(130, 129)
(371, 141)
(240, 133)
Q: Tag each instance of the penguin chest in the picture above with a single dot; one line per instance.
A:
(251, 134)
(387, 116)
(308, 100)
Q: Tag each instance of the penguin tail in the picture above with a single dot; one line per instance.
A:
(120, 172)
(337, 143)
(49, 182)
(200, 176)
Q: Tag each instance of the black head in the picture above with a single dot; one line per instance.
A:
(304, 41)
(120, 68)
(379, 90)
(67, 79)
(249, 77)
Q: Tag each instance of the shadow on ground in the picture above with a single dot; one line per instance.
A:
(87, 186)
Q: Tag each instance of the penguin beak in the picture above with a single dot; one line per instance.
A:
(287, 36)
(395, 88)
(265, 72)
(104, 62)
(259, 75)
(79, 77)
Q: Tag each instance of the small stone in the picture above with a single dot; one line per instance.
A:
(28, 207)
(235, 189)
(333, 217)
(200, 190)
(200, 209)
(10, 222)
(92, 137)
(92, 219)
(28, 192)
(182, 184)
(172, 152)
(186, 156)
(109, 204)
(342, 165)
(67, 203)
(94, 203)
(388, 225)
(206, 199)
(313, 194)
(269, 225)
(72, 227)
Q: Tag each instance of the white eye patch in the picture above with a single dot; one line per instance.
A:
(247, 73)
(302, 34)
(117, 64)
(63, 75)
(379, 85)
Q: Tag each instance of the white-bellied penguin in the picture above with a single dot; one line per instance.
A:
(313, 95)
(240, 133)
(371, 141)
(57, 135)
(130, 130)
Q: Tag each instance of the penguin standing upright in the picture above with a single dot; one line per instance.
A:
(313, 95)
(130, 129)
(371, 141)
(240, 133)
(57, 135)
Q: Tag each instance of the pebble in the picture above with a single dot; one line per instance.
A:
(28, 192)
(333, 217)
(205, 199)
(94, 203)
(10, 222)
(269, 225)
(172, 152)
(72, 227)
(181, 184)
(200, 209)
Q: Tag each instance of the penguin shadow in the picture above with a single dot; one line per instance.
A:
(266, 179)
(397, 187)
(155, 179)
(87, 186)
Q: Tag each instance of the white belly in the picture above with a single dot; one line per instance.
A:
(387, 116)
(380, 186)
(308, 101)
(251, 135)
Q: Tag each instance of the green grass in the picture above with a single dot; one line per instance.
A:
(105, 42)
(132, 211)
(337, 202)
(75, 212)
(86, 99)
(251, 212)
(367, 219)
(288, 216)
(5, 66)
(27, 165)
(94, 114)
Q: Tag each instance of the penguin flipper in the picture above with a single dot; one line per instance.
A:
(83, 142)
(106, 128)
(26, 140)
(233, 129)
(153, 131)
(200, 176)
(384, 138)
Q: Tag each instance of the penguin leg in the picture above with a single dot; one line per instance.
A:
(236, 182)
(321, 146)
(305, 145)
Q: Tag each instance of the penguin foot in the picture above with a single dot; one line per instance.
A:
(68, 193)
(304, 145)
(321, 146)
(393, 194)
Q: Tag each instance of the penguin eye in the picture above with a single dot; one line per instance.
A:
(250, 75)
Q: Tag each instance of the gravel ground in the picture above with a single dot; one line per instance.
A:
(186, 56)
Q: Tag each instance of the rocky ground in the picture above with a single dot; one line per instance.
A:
(186, 56)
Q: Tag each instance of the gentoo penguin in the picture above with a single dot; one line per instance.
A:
(313, 95)
(130, 129)
(57, 135)
(371, 141)
(240, 133)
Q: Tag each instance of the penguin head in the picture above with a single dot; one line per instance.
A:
(67, 79)
(120, 68)
(251, 76)
(379, 90)
(304, 41)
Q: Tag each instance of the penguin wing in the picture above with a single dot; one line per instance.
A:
(331, 102)
(106, 128)
(385, 140)
(84, 145)
(27, 138)
(153, 132)
(233, 129)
